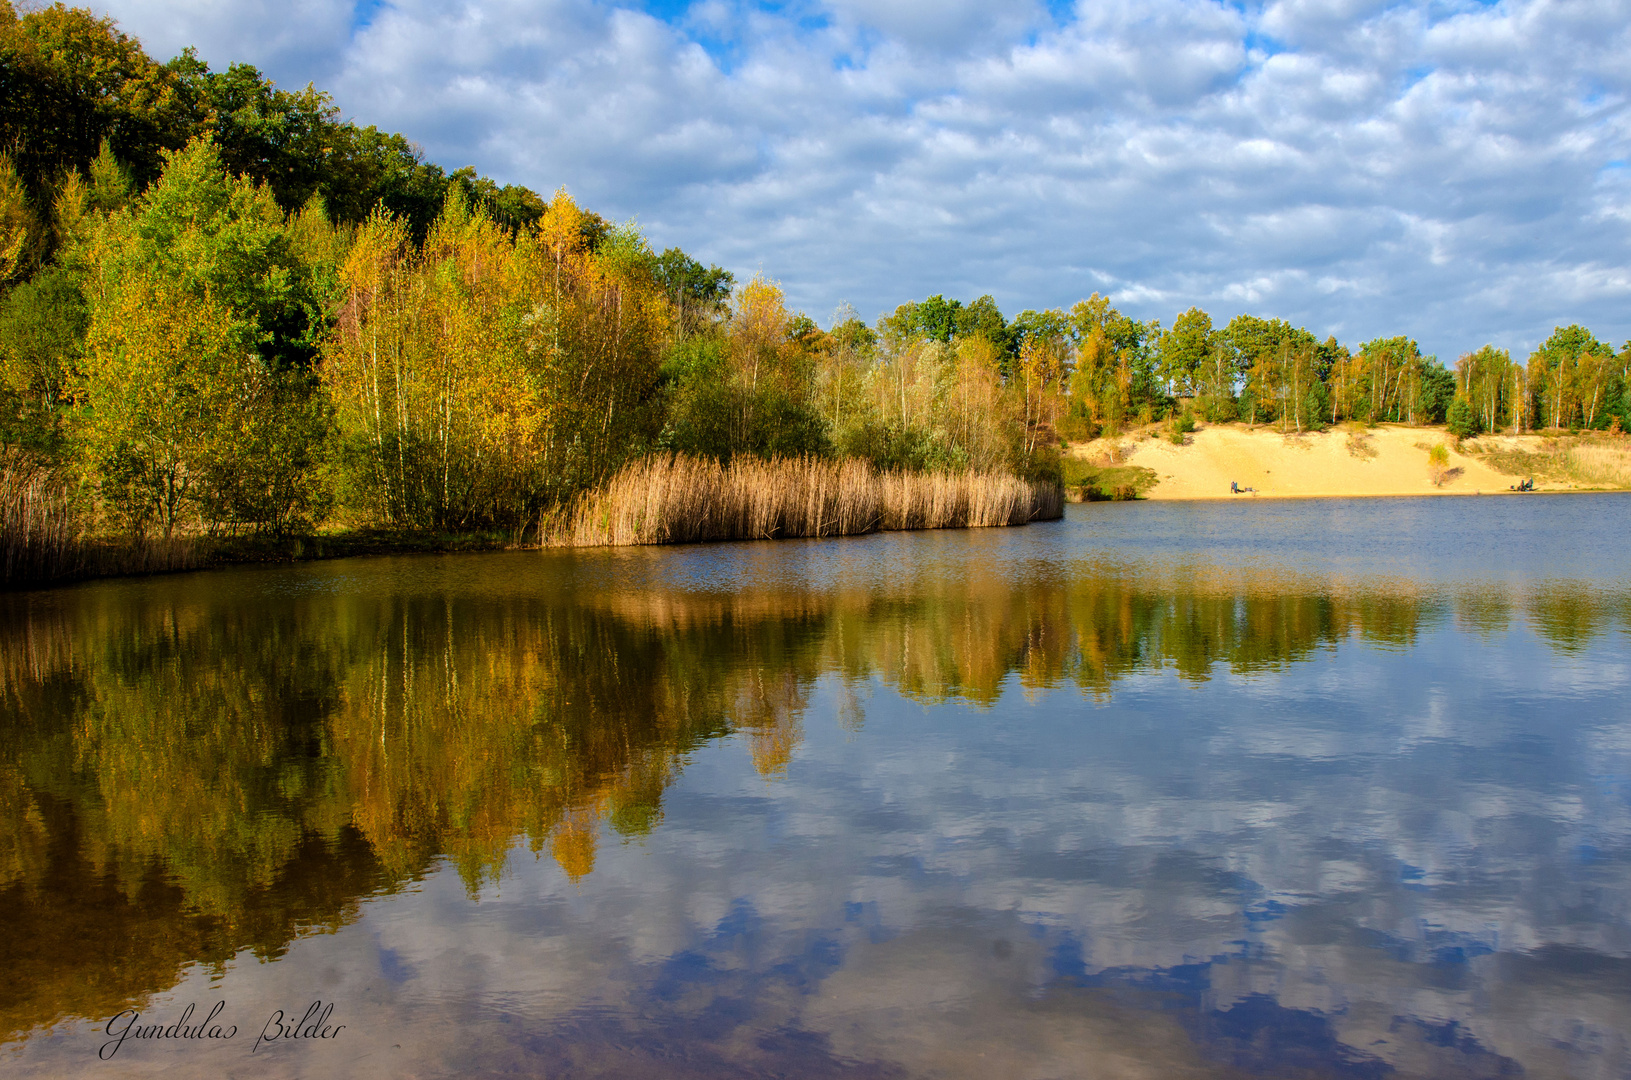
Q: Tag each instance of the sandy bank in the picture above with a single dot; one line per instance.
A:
(1386, 460)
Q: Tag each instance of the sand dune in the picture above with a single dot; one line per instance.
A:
(1386, 460)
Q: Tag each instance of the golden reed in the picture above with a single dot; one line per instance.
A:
(675, 499)
(42, 534)
(39, 532)
(1606, 464)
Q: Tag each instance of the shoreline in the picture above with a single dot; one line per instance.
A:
(1390, 460)
(184, 555)
(1287, 496)
(190, 554)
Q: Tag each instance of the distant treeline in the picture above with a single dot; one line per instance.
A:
(1101, 371)
(224, 308)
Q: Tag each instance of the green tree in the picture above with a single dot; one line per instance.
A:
(983, 319)
(42, 334)
(203, 321)
(699, 294)
(1462, 420)
(1184, 350)
(69, 80)
(1261, 350)
(697, 387)
(937, 318)
(945, 321)
(1570, 373)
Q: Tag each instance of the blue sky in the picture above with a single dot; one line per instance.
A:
(1451, 171)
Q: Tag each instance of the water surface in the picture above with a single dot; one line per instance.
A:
(1301, 789)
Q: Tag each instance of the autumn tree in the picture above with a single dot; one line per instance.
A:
(1392, 370)
(1114, 377)
(484, 375)
(842, 365)
(1570, 374)
(1482, 380)
(196, 382)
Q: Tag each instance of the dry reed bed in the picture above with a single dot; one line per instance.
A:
(39, 531)
(675, 499)
(1599, 464)
(42, 534)
(1595, 461)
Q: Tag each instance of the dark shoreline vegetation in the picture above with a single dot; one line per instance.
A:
(232, 323)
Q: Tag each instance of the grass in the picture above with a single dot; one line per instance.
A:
(1089, 481)
(44, 537)
(675, 499)
(1591, 460)
(1513, 462)
(1360, 445)
(1599, 464)
(1438, 465)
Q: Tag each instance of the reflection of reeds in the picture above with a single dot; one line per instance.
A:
(671, 499)
(145, 555)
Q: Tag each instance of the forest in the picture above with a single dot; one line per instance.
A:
(226, 311)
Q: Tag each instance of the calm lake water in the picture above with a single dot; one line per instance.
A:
(1303, 789)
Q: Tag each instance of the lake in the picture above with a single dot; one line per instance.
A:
(1334, 788)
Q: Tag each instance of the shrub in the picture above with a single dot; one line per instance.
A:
(1438, 464)
(1461, 422)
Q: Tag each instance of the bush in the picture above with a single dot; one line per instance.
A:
(1460, 421)
(1438, 464)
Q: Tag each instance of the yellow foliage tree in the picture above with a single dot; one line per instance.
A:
(19, 226)
(484, 374)
(159, 380)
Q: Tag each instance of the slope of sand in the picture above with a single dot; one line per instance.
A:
(1392, 460)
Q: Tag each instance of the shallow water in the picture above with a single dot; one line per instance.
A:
(1324, 788)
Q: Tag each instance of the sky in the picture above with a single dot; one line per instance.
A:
(1456, 172)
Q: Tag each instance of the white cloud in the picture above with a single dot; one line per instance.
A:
(1453, 172)
(295, 41)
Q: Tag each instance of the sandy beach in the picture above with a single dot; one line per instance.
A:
(1385, 460)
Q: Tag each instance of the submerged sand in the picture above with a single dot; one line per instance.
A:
(1385, 460)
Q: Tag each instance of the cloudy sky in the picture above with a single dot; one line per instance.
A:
(1455, 171)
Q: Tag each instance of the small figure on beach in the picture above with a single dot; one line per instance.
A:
(1234, 488)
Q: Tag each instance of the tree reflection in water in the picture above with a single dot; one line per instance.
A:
(184, 776)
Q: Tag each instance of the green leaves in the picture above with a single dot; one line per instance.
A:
(205, 305)
(1184, 350)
